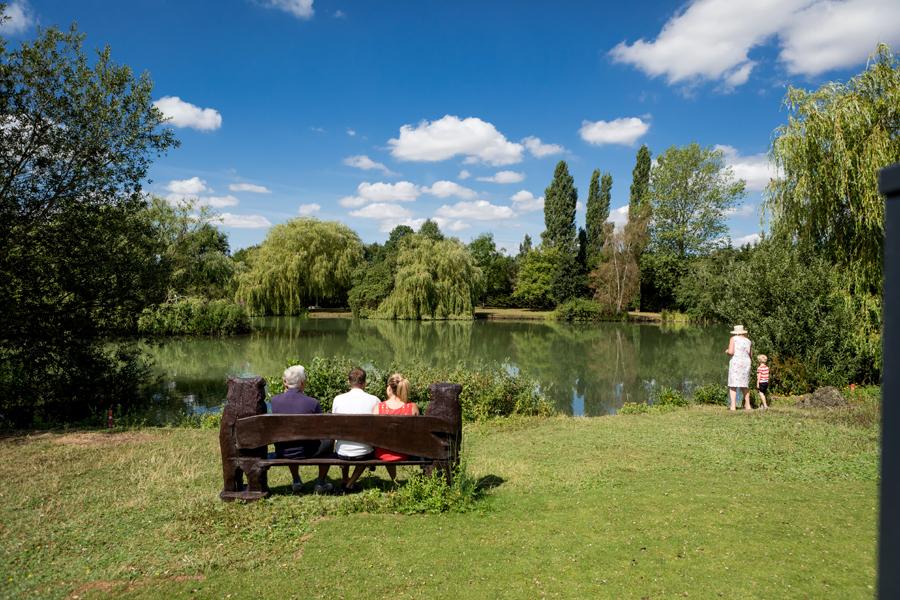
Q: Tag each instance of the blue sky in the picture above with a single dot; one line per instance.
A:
(378, 113)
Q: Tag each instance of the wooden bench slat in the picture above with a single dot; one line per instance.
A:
(415, 435)
(275, 462)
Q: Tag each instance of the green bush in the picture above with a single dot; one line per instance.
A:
(711, 393)
(581, 309)
(489, 390)
(194, 316)
(796, 308)
(641, 408)
(431, 494)
(666, 396)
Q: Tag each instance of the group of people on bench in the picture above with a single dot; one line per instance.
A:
(355, 402)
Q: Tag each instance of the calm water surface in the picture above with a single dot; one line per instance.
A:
(586, 369)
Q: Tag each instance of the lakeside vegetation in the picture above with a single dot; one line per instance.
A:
(632, 505)
(85, 252)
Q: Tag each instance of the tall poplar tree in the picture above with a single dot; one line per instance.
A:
(597, 214)
(559, 210)
(640, 182)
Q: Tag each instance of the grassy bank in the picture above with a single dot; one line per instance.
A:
(696, 502)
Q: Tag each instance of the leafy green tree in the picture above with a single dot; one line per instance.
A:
(301, 262)
(660, 274)
(829, 153)
(195, 252)
(826, 196)
(791, 301)
(77, 259)
(639, 197)
(525, 246)
(498, 271)
(535, 281)
(373, 279)
(431, 230)
(599, 198)
(690, 190)
(560, 199)
(435, 279)
(617, 278)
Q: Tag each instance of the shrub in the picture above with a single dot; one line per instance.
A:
(194, 316)
(640, 408)
(489, 390)
(581, 309)
(432, 494)
(666, 396)
(711, 393)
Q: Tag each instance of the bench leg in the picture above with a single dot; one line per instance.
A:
(258, 479)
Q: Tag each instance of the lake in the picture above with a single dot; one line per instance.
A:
(585, 369)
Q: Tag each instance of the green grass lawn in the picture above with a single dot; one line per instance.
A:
(694, 503)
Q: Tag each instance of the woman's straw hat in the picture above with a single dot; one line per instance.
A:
(739, 330)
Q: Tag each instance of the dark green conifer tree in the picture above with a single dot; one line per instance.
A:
(640, 182)
(559, 210)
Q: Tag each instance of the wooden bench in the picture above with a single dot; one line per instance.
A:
(431, 440)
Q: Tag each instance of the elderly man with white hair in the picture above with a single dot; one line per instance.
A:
(294, 402)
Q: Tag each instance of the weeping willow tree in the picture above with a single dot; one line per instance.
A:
(434, 279)
(301, 262)
(826, 197)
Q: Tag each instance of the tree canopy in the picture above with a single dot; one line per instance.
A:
(640, 182)
(78, 260)
(829, 153)
(434, 279)
(301, 262)
(690, 190)
(599, 198)
(560, 200)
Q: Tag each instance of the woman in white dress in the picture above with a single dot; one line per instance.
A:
(739, 366)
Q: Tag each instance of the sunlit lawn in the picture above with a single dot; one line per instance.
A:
(696, 503)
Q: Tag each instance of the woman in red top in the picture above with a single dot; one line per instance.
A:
(397, 403)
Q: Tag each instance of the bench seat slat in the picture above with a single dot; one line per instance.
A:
(428, 437)
(274, 462)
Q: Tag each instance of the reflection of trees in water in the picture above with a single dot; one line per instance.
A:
(606, 363)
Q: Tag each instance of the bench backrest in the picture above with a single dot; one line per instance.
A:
(428, 437)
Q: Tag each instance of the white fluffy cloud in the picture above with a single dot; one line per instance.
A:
(539, 149)
(382, 211)
(309, 209)
(756, 169)
(188, 187)
(449, 136)
(463, 175)
(365, 163)
(625, 131)
(480, 210)
(189, 191)
(832, 35)
(249, 187)
(751, 239)
(302, 9)
(402, 191)
(711, 39)
(185, 114)
(504, 177)
(525, 201)
(18, 18)
(618, 217)
(447, 189)
(351, 132)
(244, 221)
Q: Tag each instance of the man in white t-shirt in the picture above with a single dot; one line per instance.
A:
(355, 402)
